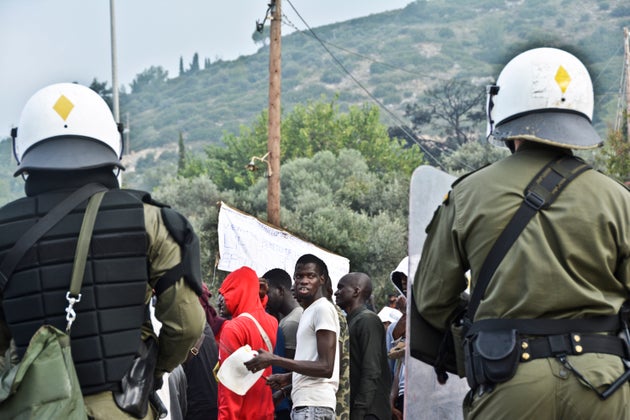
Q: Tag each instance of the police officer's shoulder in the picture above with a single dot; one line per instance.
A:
(16, 208)
(178, 226)
(463, 177)
(184, 235)
(145, 197)
(175, 222)
(445, 201)
(447, 196)
(625, 184)
(601, 178)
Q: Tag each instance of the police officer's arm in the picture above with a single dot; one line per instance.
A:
(178, 307)
(441, 275)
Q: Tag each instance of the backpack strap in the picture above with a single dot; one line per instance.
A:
(265, 337)
(80, 256)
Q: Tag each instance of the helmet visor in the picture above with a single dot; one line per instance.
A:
(560, 128)
(68, 153)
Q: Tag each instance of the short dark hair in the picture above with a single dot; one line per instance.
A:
(277, 277)
(312, 259)
(323, 271)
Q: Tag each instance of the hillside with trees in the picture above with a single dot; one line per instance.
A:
(390, 59)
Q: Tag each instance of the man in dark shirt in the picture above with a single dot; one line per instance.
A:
(370, 378)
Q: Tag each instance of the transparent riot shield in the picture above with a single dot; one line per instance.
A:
(424, 396)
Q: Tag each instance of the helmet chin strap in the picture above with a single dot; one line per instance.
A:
(13, 137)
(121, 130)
(491, 91)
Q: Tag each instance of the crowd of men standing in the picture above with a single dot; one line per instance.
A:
(317, 358)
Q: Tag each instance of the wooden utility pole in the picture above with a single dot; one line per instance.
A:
(273, 140)
(626, 43)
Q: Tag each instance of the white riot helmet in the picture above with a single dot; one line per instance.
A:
(543, 95)
(66, 126)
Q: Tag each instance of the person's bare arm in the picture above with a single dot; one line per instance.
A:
(323, 367)
(279, 380)
(400, 330)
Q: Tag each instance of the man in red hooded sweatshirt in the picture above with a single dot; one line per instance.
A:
(239, 293)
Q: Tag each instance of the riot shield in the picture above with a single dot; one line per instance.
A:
(424, 396)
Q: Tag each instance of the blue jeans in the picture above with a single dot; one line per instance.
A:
(312, 413)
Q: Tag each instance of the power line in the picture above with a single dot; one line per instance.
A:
(365, 57)
(375, 99)
(381, 105)
(601, 72)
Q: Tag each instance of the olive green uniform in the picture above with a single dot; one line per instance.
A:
(571, 261)
(177, 308)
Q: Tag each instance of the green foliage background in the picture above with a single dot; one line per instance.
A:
(351, 197)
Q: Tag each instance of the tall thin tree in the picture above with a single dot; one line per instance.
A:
(181, 150)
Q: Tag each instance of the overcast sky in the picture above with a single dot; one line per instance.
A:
(50, 41)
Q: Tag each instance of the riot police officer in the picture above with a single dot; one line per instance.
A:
(66, 140)
(542, 336)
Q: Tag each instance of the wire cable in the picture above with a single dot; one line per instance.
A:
(401, 125)
(365, 57)
(371, 96)
(601, 72)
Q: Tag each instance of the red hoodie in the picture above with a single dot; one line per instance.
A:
(240, 291)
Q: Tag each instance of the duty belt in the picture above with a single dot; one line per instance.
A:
(572, 344)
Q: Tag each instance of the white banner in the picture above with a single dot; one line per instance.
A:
(245, 240)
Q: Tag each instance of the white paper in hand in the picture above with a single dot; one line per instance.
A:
(233, 373)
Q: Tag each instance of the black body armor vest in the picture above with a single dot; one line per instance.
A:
(107, 332)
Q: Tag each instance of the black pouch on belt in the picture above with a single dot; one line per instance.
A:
(493, 357)
(137, 383)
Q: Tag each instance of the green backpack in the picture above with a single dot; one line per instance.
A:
(44, 384)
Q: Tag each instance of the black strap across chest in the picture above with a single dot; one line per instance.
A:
(541, 192)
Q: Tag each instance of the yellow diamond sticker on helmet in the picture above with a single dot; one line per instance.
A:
(63, 107)
(562, 79)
